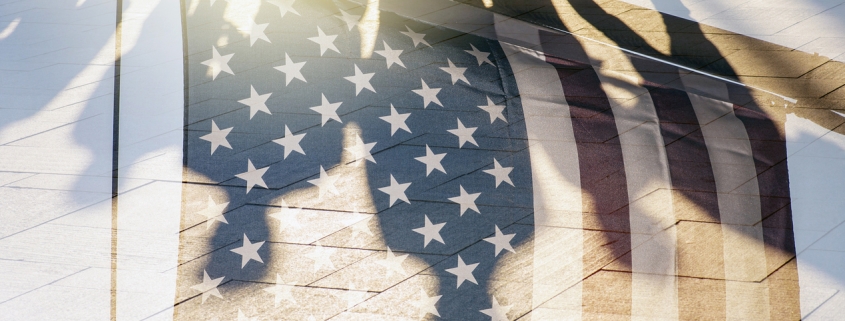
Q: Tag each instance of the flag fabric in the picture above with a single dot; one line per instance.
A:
(352, 162)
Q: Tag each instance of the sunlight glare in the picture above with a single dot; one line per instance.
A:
(368, 28)
(10, 28)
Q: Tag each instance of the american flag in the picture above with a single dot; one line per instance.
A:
(346, 162)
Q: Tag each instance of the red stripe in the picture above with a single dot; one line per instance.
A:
(769, 148)
(603, 181)
(701, 286)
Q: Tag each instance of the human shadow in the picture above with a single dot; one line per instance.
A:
(692, 177)
(688, 156)
(58, 85)
(285, 252)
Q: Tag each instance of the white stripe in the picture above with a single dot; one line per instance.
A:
(654, 284)
(732, 161)
(151, 114)
(816, 182)
(558, 235)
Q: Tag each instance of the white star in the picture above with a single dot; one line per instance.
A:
(431, 161)
(390, 55)
(281, 291)
(457, 73)
(495, 111)
(249, 251)
(214, 212)
(243, 317)
(256, 31)
(253, 176)
(430, 232)
(290, 142)
(285, 6)
(481, 56)
(393, 263)
(501, 241)
(256, 102)
(217, 137)
(416, 37)
(501, 173)
(396, 120)
(208, 287)
(429, 95)
(325, 42)
(287, 217)
(361, 151)
(328, 110)
(355, 217)
(497, 312)
(218, 63)
(464, 134)
(350, 19)
(361, 80)
(322, 257)
(467, 201)
(325, 183)
(291, 69)
(358, 225)
(426, 304)
(463, 271)
(351, 296)
(396, 191)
